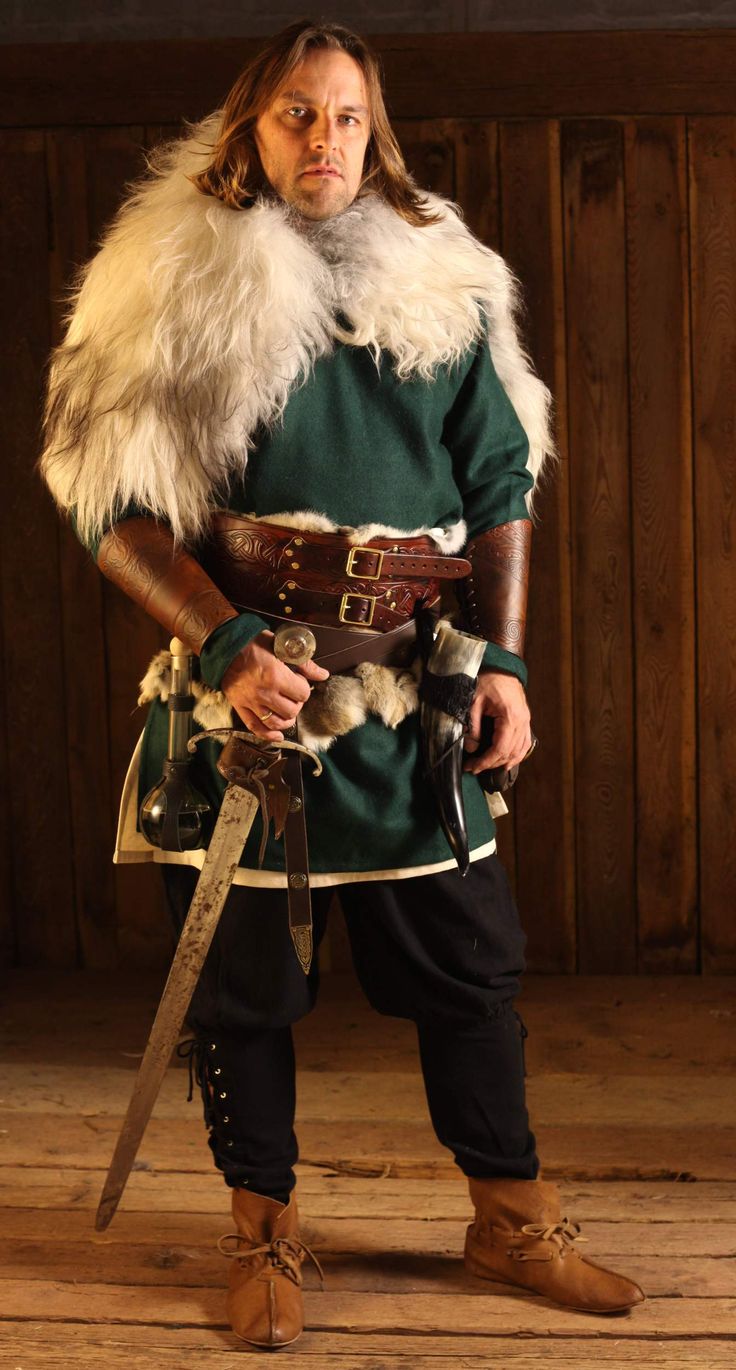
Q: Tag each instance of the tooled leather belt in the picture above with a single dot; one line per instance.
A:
(359, 601)
(323, 578)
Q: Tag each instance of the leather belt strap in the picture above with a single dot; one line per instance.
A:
(338, 648)
(369, 563)
(333, 554)
(358, 610)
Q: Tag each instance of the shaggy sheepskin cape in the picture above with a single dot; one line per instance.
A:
(193, 322)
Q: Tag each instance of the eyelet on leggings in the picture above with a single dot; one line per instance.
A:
(201, 1054)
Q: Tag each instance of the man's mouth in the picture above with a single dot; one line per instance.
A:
(321, 171)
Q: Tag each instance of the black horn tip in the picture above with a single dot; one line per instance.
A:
(447, 777)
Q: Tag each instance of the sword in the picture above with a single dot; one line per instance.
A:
(246, 760)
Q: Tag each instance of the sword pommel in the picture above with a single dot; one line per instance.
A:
(294, 644)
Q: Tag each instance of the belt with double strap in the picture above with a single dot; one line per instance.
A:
(324, 579)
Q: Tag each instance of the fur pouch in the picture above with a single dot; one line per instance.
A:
(335, 706)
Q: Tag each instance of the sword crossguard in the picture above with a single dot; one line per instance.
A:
(224, 735)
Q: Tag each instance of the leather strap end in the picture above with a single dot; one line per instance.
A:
(301, 936)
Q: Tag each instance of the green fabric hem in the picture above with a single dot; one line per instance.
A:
(495, 658)
(222, 646)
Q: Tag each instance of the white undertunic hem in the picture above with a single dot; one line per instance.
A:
(132, 847)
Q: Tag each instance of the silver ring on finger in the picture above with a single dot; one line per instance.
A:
(264, 717)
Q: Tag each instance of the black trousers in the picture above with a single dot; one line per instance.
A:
(444, 951)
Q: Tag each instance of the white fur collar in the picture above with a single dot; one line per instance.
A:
(193, 322)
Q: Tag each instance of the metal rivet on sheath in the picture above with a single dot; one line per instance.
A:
(298, 542)
(213, 1046)
(217, 1070)
(226, 1117)
(222, 1094)
(229, 1143)
(290, 585)
(295, 804)
(295, 565)
(288, 609)
(298, 880)
(282, 596)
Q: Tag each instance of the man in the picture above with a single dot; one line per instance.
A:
(292, 385)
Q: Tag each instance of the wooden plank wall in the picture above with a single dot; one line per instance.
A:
(622, 228)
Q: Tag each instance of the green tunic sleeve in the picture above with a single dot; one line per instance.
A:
(489, 450)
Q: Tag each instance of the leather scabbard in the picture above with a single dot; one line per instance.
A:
(140, 556)
(494, 596)
(297, 864)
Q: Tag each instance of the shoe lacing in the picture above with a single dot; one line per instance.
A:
(284, 1253)
(563, 1235)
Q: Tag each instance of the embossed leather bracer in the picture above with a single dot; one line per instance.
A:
(493, 597)
(140, 556)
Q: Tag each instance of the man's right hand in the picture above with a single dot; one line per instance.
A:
(257, 681)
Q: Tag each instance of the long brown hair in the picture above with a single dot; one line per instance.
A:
(235, 174)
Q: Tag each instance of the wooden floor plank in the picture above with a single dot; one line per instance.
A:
(367, 1236)
(376, 1267)
(383, 1147)
(144, 1348)
(340, 1096)
(165, 1198)
(507, 1314)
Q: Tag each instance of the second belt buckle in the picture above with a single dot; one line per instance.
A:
(344, 607)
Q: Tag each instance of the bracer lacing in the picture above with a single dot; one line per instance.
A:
(283, 1253)
(561, 1235)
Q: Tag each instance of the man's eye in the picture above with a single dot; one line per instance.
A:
(296, 109)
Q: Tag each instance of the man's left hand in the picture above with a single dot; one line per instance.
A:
(502, 698)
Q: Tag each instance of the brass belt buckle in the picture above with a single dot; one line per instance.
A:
(344, 606)
(350, 565)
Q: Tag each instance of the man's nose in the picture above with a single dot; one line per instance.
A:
(323, 133)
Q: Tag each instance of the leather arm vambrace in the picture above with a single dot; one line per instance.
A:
(493, 597)
(140, 556)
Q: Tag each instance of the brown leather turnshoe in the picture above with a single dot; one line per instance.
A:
(264, 1303)
(518, 1237)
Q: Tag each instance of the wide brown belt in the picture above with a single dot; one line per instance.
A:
(323, 578)
(339, 648)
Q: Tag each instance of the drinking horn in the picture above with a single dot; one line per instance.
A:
(446, 693)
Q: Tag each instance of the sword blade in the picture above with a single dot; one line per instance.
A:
(237, 812)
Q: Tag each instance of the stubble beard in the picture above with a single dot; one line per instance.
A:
(309, 209)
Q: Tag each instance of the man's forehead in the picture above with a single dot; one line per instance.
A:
(292, 93)
(308, 85)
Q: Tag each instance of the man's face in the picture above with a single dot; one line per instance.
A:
(313, 136)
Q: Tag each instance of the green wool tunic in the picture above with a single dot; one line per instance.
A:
(359, 445)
